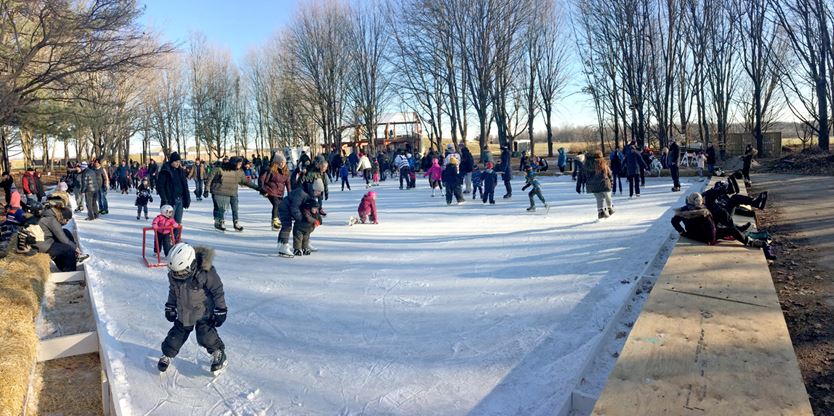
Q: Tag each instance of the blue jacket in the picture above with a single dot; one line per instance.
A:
(634, 162)
(563, 158)
(476, 178)
(616, 162)
(343, 172)
(531, 181)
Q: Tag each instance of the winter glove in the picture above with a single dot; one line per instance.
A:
(326, 196)
(186, 204)
(170, 312)
(219, 317)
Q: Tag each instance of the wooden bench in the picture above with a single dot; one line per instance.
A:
(711, 340)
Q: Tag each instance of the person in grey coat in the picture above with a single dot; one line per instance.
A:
(195, 301)
(90, 187)
(57, 242)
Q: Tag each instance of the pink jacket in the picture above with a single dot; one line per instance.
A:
(163, 224)
(434, 173)
(368, 207)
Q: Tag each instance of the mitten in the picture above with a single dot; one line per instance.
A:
(170, 312)
(219, 317)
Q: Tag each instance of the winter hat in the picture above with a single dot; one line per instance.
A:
(174, 156)
(449, 146)
(62, 186)
(372, 194)
(489, 165)
(318, 185)
(695, 199)
(453, 160)
(15, 200)
(279, 158)
(84, 165)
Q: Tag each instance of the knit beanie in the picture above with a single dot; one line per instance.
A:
(173, 157)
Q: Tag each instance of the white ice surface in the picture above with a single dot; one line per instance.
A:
(438, 310)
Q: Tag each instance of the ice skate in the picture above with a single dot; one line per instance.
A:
(82, 258)
(137, 217)
(284, 250)
(760, 201)
(531, 209)
(297, 252)
(237, 226)
(601, 214)
(352, 221)
(218, 362)
(306, 252)
(163, 363)
(218, 225)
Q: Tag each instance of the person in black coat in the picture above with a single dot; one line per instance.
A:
(452, 181)
(506, 171)
(467, 165)
(647, 161)
(711, 159)
(747, 160)
(172, 187)
(289, 211)
(634, 165)
(153, 171)
(672, 159)
(616, 163)
(6, 183)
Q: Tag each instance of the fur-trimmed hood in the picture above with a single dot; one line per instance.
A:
(581, 157)
(205, 257)
(688, 212)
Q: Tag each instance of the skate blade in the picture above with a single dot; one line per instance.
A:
(286, 256)
(221, 369)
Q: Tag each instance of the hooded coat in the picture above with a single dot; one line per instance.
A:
(225, 181)
(435, 172)
(634, 163)
(697, 223)
(52, 231)
(197, 295)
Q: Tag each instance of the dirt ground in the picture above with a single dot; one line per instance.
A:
(800, 216)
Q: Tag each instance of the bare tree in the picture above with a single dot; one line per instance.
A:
(551, 70)
(369, 72)
(805, 26)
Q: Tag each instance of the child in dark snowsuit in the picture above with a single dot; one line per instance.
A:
(536, 191)
(477, 182)
(195, 300)
(343, 173)
(490, 178)
(451, 179)
(311, 218)
(143, 196)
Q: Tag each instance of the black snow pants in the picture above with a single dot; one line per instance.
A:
(206, 336)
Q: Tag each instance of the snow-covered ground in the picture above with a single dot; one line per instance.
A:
(440, 310)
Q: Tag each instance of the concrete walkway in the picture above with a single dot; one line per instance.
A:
(806, 205)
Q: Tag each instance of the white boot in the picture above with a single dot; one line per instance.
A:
(284, 250)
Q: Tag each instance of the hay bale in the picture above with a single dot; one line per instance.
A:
(22, 281)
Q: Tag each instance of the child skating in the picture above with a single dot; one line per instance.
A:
(143, 196)
(530, 180)
(195, 300)
(343, 173)
(310, 219)
(490, 179)
(163, 227)
(477, 182)
(452, 182)
(366, 210)
(435, 174)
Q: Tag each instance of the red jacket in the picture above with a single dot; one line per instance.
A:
(163, 224)
(30, 186)
(368, 206)
(274, 183)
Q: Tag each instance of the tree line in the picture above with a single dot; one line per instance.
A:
(88, 77)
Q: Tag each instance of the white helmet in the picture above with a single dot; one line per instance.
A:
(180, 258)
(167, 210)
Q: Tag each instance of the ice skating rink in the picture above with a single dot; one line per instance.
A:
(438, 310)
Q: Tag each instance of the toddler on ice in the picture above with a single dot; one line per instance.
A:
(366, 210)
(163, 226)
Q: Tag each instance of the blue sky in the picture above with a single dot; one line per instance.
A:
(245, 24)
